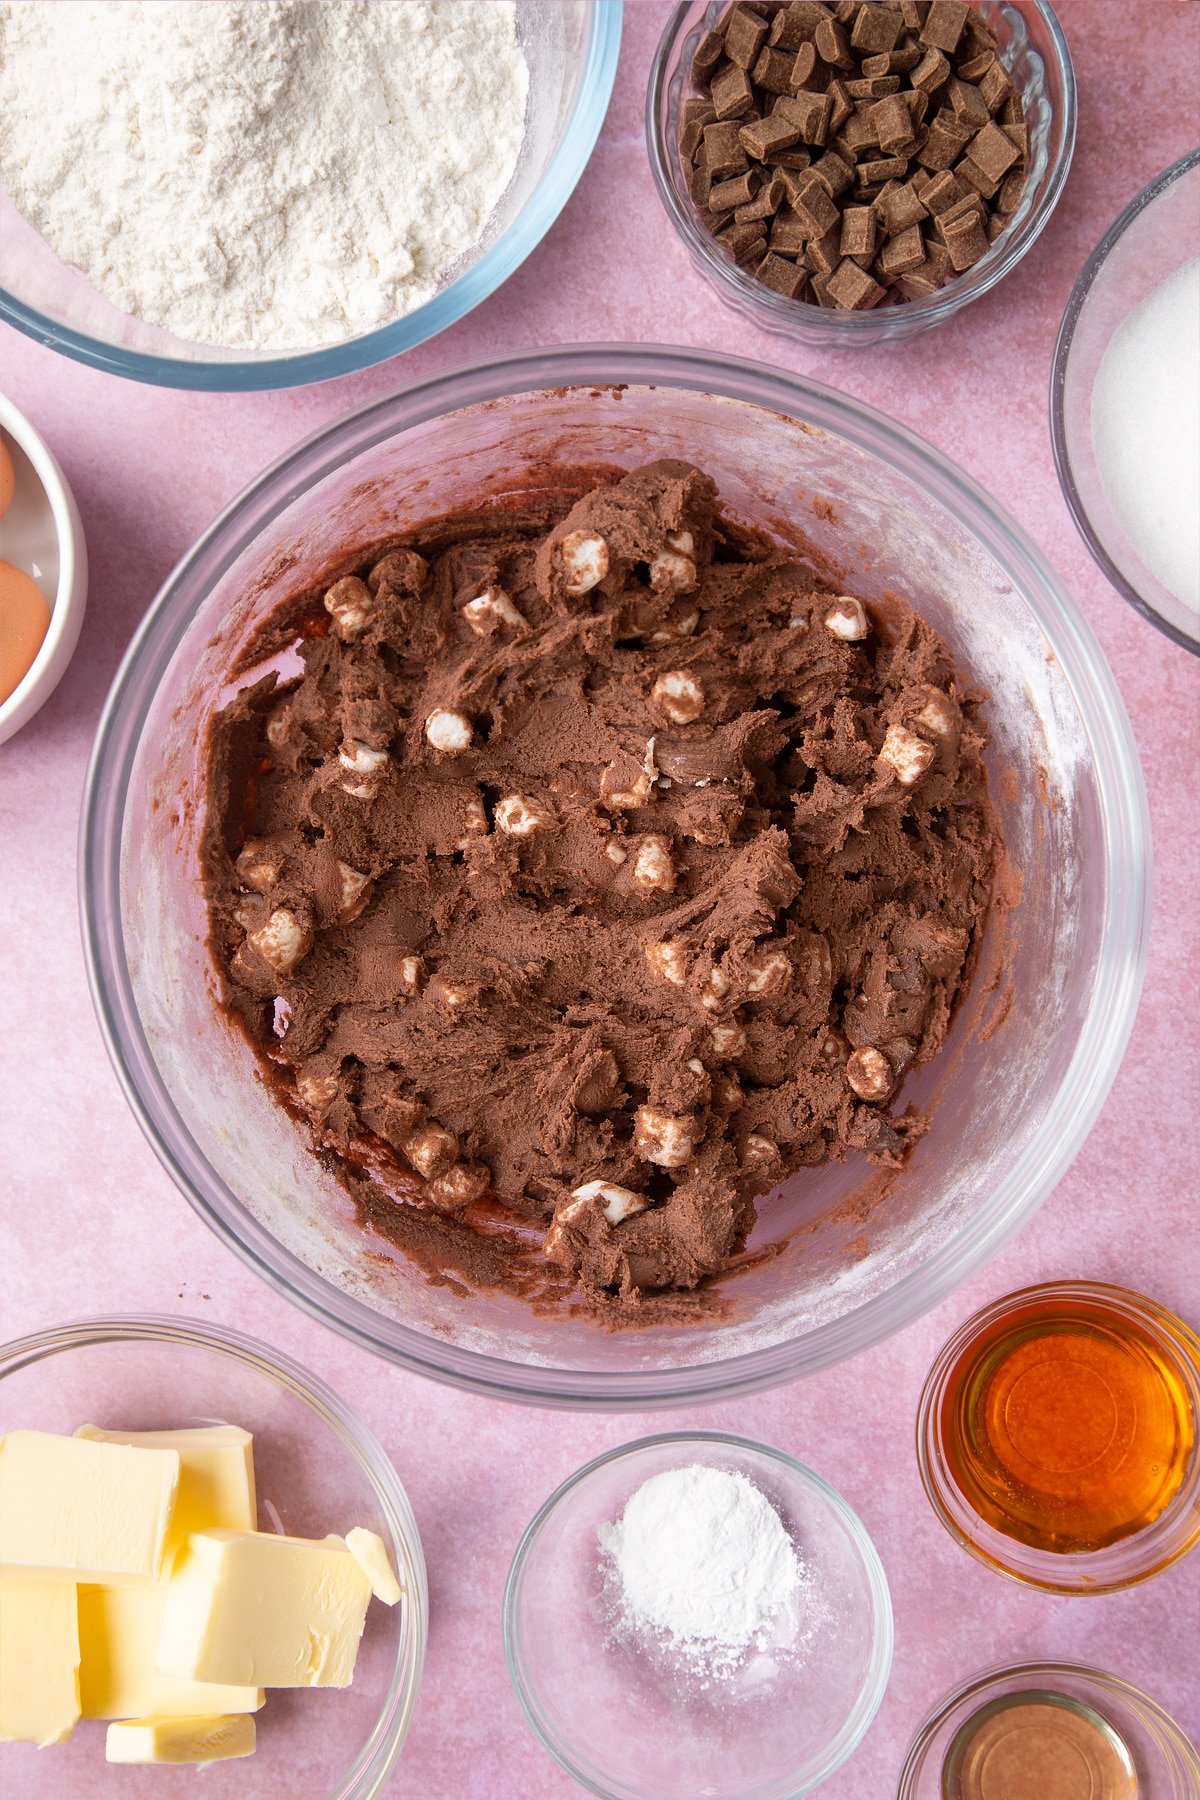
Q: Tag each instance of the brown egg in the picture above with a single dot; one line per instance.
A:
(24, 621)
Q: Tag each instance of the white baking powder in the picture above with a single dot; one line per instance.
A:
(271, 175)
(1146, 430)
(705, 1567)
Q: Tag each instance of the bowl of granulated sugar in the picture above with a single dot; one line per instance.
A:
(272, 192)
(1125, 402)
(698, 1615)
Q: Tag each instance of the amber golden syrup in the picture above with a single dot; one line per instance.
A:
(1067, 1425)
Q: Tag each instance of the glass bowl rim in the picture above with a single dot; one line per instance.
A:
(377, 1757)
(791, 317)
(1077, 300)
(597, 73)
(1121, 791)
(870, 1696)
(1048, 1572)
(1135, 1698)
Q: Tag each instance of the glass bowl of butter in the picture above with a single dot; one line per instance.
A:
(204, 1559)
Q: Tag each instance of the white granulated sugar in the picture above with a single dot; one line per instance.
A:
(705, 1568)
(272, 175)
(1146, 431)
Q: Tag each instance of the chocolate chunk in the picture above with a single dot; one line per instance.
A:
(833, 172)
(877, 88)
(931, 73)
(903, 252)
(965, 240)
(966, 103)
(995, 87)
(737, 191)
(745, 34)
(893, 124)
(859, 231)
(810, 112)
(709, 52)
(833, 45)
(944, 145)
(898, 207)
(732, 93)
(773, 71)
(767, 135)
(943, 25)
(785, 277)
(852, 288)
(875, 28)
(993, 151)
(721, 151)
(814, 207)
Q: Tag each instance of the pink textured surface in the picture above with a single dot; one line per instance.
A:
(90, 1222)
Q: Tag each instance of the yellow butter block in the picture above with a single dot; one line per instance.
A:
(71, 1510)
(370, 1553)
(216, 1475)
(216, 1739)
(119, 1627)
(247, 1607)
(39, 1662)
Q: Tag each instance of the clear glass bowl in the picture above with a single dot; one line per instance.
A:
(1032, 1052)
(1154, 236)
(1166, 1763)
(571, 47)
(1135, 1558)
(1034, 51)
(317, 1469)
(621, 1727)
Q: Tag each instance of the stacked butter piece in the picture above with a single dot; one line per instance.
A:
(135, 1588)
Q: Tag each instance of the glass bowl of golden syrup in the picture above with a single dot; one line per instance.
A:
(1057, 1437)
(1049, 1731)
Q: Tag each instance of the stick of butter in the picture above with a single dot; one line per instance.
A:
(119, 1626)
(215, 1739)
(264, 1611)
(39, 1662)
(72, 1510)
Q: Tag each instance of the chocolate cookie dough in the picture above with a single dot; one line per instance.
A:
(600, 870)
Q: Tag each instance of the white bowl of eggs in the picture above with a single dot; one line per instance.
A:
(43, 571)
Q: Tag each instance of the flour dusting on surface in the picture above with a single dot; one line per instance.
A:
(274, 175)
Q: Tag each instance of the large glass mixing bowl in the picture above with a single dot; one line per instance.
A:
(571, 47)
(1033, 1050)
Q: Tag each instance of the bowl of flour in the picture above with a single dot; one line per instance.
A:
(241, 194)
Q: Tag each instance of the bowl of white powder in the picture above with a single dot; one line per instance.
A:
(1125, 402)
(696, 1614)
(246, 194)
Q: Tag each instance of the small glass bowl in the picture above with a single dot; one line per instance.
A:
(1166, 1763)
(1157, 233)
(1035, 53)
(317, 1470)
(1171, 1535)
(571, 49)
(627, 1733)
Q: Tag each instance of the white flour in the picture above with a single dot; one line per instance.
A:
(706, 1568)
(271, 175)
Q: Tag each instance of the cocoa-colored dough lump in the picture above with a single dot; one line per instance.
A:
(602, 867)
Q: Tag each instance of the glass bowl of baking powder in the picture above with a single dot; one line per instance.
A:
(696, 1614)
(569, 51)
